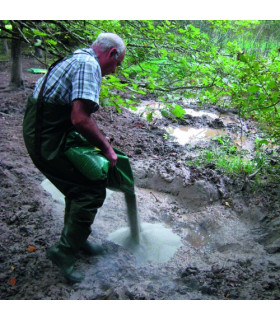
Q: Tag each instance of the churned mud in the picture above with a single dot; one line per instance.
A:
(229, 239)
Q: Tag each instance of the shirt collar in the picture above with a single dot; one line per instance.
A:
(89, 51)
(93, 53)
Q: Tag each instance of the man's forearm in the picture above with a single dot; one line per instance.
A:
(88, 129)
(86, 126)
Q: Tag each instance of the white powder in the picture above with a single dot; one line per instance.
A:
(157, 243)
(55, 193)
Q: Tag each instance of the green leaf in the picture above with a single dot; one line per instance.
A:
(178, 111)
(141, 92)
(164, 113)
(149, 116)
(260, 142)
(52, 42)
(39, 33)
(253, 89)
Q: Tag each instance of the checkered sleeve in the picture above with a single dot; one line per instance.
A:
(86, 81)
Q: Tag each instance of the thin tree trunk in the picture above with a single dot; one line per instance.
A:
(5, 47)
(16, 67)
(38, 52)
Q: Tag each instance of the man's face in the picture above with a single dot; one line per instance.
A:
(109, 61)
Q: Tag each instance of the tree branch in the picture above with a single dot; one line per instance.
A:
(185, 88)
(266, 107)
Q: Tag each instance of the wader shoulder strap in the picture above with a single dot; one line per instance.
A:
(39, 112)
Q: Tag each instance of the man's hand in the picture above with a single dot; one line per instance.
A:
(111, 156)
(86, 126)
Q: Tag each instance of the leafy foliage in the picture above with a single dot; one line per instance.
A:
(175, 60)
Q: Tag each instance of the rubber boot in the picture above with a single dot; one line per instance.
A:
(77, 227)
(65, 262)
(63, 254)
(88, 247)
(74, 236)
(92, 249)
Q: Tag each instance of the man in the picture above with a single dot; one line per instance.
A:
(64, 100)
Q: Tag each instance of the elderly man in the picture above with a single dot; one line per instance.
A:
(63, 100)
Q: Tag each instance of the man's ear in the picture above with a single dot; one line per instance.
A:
(114, 53)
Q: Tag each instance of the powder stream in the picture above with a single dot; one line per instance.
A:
(132, 214)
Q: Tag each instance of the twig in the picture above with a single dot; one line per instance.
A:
(251, 176)
(155, 197)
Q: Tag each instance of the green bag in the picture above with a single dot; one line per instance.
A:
(92, 164)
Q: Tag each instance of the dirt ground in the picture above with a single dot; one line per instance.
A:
(230, 239)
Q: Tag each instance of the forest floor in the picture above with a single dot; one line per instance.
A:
(230, 238)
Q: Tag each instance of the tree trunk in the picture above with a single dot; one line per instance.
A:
(38, 52)
(5, 47)
(16, 67)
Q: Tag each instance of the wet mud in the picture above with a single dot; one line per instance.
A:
(230, 241)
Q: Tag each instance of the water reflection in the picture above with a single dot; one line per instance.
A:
(200, 113)
(187, 134)
(155, 107)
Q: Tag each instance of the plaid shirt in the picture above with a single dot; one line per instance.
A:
(78, 77)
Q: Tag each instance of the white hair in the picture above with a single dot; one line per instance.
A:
(109, 40)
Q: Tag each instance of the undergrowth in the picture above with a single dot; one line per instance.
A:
(261, 166)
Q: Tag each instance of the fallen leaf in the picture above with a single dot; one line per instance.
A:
(12, 281)
(227, 296)
(31, 249)
(12, 268)
(139, 125)
(227, 204)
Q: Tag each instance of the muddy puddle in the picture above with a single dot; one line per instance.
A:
(205, 125)
(187, 134)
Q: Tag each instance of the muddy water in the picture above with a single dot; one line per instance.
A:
(200, 113)
(191, 134)
(187, 134)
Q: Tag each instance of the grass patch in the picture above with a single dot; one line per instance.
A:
(230, 163)
(224, 155)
